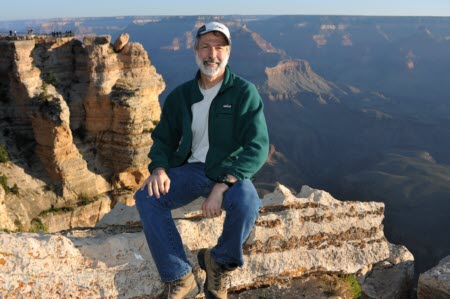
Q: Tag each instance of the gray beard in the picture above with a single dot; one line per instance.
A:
(210, 71)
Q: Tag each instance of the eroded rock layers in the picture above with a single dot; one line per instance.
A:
(88, 109)
(294, 236)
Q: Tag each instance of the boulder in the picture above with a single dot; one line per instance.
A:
(391, 278)
(435, 283)
(121, 41)
(294, 236)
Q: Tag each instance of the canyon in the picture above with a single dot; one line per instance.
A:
(357, 106)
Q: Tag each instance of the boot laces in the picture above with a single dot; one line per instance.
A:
(221, 280)
(175, 286)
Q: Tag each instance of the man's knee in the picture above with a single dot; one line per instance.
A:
(244, 199)
(145, 202)
(140, 194)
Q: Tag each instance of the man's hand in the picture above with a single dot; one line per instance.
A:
(158, 183)
(212, 207)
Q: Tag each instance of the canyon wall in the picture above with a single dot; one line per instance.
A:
(77, 116)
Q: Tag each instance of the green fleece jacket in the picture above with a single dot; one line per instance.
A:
(238, 138)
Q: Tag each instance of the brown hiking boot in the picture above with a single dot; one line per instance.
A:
(216, 276)
(185, 287)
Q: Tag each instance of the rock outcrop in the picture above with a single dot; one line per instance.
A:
(82, 110)
(435, 283)
(35, 206)
(294, 236)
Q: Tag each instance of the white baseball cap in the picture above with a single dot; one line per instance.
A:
(215, 26)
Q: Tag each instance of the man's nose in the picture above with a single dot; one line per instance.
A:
(212, 52)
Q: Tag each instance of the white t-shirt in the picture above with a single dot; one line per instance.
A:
(200, 115)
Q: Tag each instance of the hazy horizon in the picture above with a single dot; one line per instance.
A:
(51, 9)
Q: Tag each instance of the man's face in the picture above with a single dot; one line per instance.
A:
(212, 54)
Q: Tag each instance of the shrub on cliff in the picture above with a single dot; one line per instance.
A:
(46, 106)
(50, 78)
(4, 157)
(44, 96)
(38, 226)
(14, 189)
(4, 183)
(84, 199)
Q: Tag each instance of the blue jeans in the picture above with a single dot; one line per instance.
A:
(187, 183)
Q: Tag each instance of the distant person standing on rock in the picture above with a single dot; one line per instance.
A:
(211, 139)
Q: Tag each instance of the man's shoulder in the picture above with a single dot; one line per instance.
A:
(242, 84)
(181, 91)
(183, 87)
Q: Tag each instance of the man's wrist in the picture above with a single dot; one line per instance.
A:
(221, 187)
(158, 170)
(227, 179)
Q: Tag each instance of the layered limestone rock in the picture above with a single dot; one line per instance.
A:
(20, 81)
(57, 151)
(435, 283)
(36, 204)
(86, 215)
(81, 109)
(294, 236)
(121, 107)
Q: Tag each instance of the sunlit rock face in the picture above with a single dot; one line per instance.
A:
(295, 235)
(82, 111)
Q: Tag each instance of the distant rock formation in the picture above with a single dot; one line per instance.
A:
(294, 236)
(264, 45)
(80, 108)
(435, 283)
(290, 78)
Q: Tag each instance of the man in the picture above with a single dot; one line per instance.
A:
(211, 139)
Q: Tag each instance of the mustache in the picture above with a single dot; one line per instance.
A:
(210, 60)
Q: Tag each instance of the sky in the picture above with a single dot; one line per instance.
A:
(43, 9)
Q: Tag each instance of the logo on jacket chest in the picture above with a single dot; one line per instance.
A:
(226, 106)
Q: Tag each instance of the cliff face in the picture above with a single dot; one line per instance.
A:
(83, 111)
